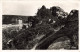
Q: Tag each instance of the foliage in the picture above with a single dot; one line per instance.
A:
(24, 39)
(7, 34)
(43, 12)
(13, 19)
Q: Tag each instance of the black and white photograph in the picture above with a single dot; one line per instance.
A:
(40, 25)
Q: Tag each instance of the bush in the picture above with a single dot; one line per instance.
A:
(7, 34)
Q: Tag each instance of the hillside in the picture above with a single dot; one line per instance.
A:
(9, 19)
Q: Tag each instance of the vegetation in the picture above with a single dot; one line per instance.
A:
(42, 25)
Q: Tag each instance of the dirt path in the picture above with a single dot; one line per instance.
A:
(37, 38)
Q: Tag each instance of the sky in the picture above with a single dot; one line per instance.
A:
(29, 8)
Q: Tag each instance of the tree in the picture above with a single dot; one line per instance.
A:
(43, 12)
(58, 13)
(70, 30)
